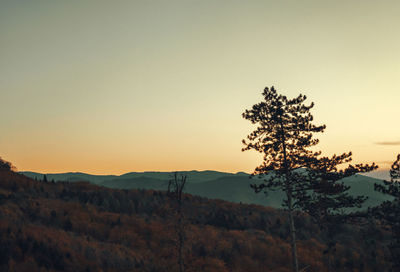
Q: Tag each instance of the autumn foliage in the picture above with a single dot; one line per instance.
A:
(47, 226)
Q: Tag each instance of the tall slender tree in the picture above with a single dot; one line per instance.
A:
(176, 186)
(284, 135)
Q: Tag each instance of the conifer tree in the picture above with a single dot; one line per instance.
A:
(284, 135)
(389, 211)
(322, 195)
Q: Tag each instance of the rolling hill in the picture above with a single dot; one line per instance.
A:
(78, 226)
(212, 184)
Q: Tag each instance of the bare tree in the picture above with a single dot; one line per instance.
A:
(176, 186)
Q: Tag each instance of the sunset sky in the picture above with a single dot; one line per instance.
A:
(108, 87)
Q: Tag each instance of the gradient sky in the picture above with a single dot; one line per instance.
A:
(118, 86)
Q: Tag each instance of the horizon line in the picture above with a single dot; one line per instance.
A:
(117, 175)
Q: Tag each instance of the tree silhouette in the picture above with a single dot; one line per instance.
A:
(6, 166)
(395, 171)
(321, 194)
(176, 186)
(389, 211)
(284, 135)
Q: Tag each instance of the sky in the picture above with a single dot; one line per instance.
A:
(108, 87)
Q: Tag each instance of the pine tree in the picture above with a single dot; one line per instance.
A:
(284, 135)
(322, 195)
(389, 211)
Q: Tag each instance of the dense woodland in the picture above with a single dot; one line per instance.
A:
(60, 226)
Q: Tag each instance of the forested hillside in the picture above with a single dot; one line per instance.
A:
(213, 185)
(61, 226)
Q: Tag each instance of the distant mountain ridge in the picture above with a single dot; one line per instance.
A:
(212, 184)
(193, 176)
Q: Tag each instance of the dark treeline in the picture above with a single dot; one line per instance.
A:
(61, 226)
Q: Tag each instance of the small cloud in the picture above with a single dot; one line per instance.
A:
(384, 162)
(388, 143)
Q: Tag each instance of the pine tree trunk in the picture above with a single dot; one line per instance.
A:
(288, 190)
(292, 229)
